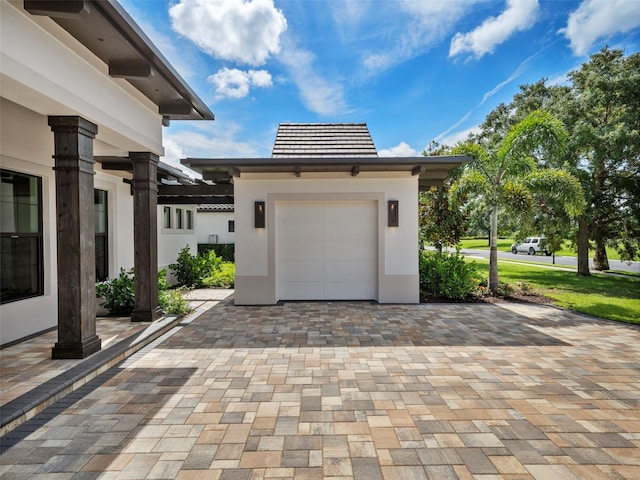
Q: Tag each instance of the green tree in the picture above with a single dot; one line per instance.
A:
(508, 175)
(603, 115)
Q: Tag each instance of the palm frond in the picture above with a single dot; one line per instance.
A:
(561, 186)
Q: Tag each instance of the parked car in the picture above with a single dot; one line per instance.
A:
(531, 245)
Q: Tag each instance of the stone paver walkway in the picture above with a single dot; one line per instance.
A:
(357, 391)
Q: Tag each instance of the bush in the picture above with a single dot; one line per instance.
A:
(118, 293)
(225, 278)
(446, 276)
(192, 270)
(172, 302)
(226, 251)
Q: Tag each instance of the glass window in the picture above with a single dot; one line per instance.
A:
(21, 261)
(102, 243)
(166, 217)
(232, 226)
(179, 218)
(189, 219)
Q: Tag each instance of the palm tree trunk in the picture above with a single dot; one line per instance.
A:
(583, 247)
(493, 250)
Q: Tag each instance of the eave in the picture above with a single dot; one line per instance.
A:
(107, 30)
(431, 171)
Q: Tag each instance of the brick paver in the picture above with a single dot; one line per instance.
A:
(354, 390)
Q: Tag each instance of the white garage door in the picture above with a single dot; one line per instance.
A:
(326, 250)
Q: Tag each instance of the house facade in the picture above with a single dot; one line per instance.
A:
(325, 218)
(83, 100)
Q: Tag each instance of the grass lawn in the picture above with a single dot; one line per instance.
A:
(504, 245)
(604, 296)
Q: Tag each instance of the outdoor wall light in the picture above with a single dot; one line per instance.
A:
(259, 216)
(392, 213)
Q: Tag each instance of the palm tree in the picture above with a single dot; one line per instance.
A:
(514, 172)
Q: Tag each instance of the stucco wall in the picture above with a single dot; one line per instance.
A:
(398, 258)
(215, 223)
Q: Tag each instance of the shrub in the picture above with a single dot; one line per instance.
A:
(192, 270)
(225, 278)
(172, 302)
(446, 275)
(226, 251)
(118, 293)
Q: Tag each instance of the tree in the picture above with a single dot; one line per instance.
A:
(442, 221)
(603, 115)
(508, 175)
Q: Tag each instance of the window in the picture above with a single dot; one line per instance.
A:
(21, 259)
(232, 226)
(166, 217)
(189, 219)
(179, 218)
(102, 242)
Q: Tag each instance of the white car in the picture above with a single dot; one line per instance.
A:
(531, 245)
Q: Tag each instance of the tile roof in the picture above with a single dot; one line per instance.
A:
(317, 140)
(216, 207)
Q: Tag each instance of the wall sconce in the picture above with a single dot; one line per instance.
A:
(259, 217)
(392, 213)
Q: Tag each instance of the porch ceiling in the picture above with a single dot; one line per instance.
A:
(107, 30)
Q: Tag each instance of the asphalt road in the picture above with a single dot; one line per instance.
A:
(560, 261)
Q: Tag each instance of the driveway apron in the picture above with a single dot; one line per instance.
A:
(353, 390)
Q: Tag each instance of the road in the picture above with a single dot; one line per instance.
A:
(560, 261)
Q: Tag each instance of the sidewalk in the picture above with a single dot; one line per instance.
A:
(30, 380)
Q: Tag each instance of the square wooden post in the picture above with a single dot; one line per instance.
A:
(73, 156)
(145, 235)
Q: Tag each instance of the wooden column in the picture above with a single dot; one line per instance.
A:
(145, 235)
(73, 139)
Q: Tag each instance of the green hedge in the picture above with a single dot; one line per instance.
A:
(226, 251)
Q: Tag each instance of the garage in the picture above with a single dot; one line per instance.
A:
(326, 250)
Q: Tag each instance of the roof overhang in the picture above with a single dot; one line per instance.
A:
(107, 30)
(431, 171)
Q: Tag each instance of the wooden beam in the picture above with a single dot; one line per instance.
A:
(130, 69)
(234, 171)
(191, 200)
(355, 170)
(297, 170)
(417, 170)
(176, 107)
(195, 190)
(58, 9)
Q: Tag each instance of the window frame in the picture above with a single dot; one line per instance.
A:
(39, 236)
(231, 226)
(104, 235)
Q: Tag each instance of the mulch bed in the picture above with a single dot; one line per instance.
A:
(516, 297)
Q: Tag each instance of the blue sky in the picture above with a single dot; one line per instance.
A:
(413, 70)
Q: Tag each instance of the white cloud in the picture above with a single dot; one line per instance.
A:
(318, 94)
(519, 15)
(245, 31)
(429, 23)
(598, 19)
(234, 83)
(403, 149)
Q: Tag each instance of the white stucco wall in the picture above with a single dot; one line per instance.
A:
(172, 240)
(215, 223)
(398, 264)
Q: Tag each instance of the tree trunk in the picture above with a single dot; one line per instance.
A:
(583, 247)
(493, 250)
(600, 260)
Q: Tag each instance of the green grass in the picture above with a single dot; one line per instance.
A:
(504, 245)
(605, 296)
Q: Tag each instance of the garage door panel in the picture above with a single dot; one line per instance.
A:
(303, 290)
(326, 250)
(349, 271)
(350, 291)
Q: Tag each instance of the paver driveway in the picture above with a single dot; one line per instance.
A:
(354, 390)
